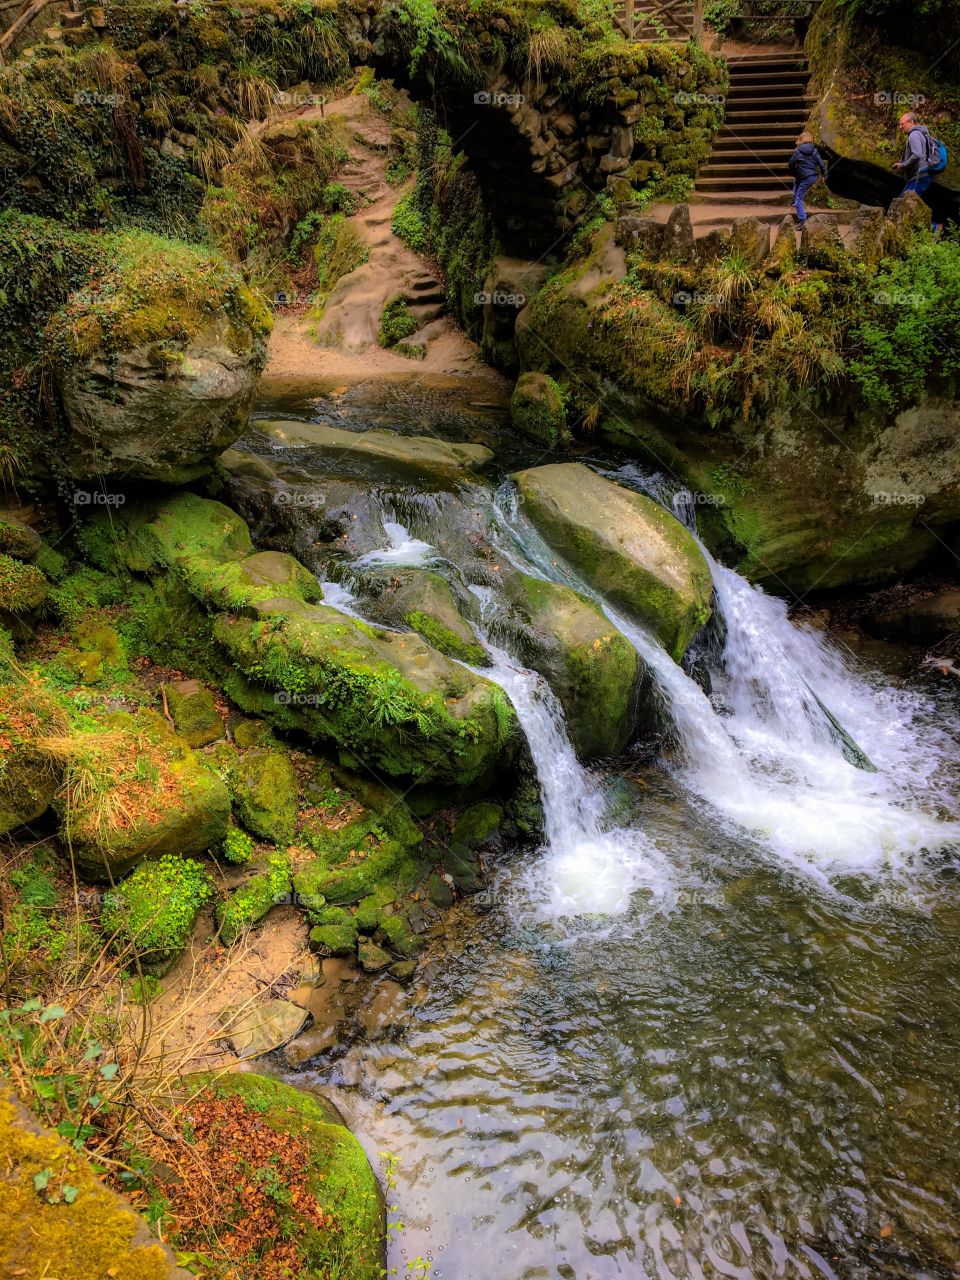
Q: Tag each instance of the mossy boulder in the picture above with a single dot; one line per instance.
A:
(156, 361)
(478, 824)
(17, 538)
(29, 777)
(267, 886)
(42, 1234)
(424, 601)
(264, 787)
(589, 665)
(337, 1171)
(378, 849)
(390, 700)
(538, 410)
(194, 712)
(335, 933)
(154, 910)
(625, 545)
(134, 791)
(23, 589)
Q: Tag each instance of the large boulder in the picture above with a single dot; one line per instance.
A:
(134, 791)
(589, 665)
(156, 361)
(424, 601)
(625, 545)
(264, 787)
(90, 1231)
(388, 699)
(29, 778)
(339, 1180)
(377, 454)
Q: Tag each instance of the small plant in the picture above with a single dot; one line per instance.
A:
(721, 14)
(408, 224)
(237, 846)
(396, 322)
(155, 908)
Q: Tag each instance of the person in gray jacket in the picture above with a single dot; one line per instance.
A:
(915, 166)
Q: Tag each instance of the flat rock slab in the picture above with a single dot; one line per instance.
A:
(262, 1027)
(370, 452)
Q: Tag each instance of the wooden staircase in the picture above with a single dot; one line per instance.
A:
(767, 105)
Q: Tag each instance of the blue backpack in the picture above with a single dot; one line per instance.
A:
(938, 156)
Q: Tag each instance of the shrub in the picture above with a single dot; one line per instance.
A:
(408, 224)
(237, 846)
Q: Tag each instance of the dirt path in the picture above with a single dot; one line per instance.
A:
(343, 343)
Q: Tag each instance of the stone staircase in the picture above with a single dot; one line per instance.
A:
(767, 105)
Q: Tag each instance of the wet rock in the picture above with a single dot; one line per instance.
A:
(865, 235)
(265, 886)
(264, 787)
(625, 545)
(538, 410)
(403, 970)
(440, 891)
(259, 1028)
(372, 958)
(640, 235)
(336, 939)
(750, 241)
(311, 1044)
(380, 453)
(424, 601)
(924, 621)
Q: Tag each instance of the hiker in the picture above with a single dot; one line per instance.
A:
(919, 155)
(806, 165)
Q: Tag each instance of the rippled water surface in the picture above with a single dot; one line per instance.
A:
(760, 1082)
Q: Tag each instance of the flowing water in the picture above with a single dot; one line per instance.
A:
(712, 1026)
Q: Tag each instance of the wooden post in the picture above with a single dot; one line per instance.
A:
(24, 20)
(697, 21)
(628, 18)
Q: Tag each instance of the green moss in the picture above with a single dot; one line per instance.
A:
(396, 322)
(249, 903)
(237, 846)
(23, 588)
(477, 824)
(264, 789)
(194, 713)
(338, 1173)
(538, 410)
(155, 909)
(338, 251)
(29, 777)
(444, 639)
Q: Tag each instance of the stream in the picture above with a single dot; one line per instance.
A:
(712, 1025)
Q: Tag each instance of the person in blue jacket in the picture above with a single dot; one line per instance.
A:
(806, 165)
(915, 165)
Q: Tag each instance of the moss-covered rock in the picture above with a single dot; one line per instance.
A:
(337, 1170)
(625, 545)
(379, 848)
(194, 712)
(391, 700)
(423, 600)
(538, 410)
(134, 791)
(267, 885)
(18, 539)
(44, 1233)
(29, 777)
(589, 665)
(336, 934)
(478, 824)
(154, 910)
(23, 589)
(264, 787)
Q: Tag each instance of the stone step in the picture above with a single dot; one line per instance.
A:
(773, 74)
(750, 116)
(754, 141)
(735, 185)
(773, 94)
(768, 62)
(749, 169)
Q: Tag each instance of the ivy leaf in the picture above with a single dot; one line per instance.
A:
(69, 1193)
(93, 1051)
(32, 1005)
(109, 1070)
(52, 1012)
(41, 1179)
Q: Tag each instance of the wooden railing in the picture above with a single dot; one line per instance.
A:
(687, 15)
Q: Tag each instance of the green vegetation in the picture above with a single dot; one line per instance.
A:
(155, 908)
(396, 322)
(237, 846)
(250, 902)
